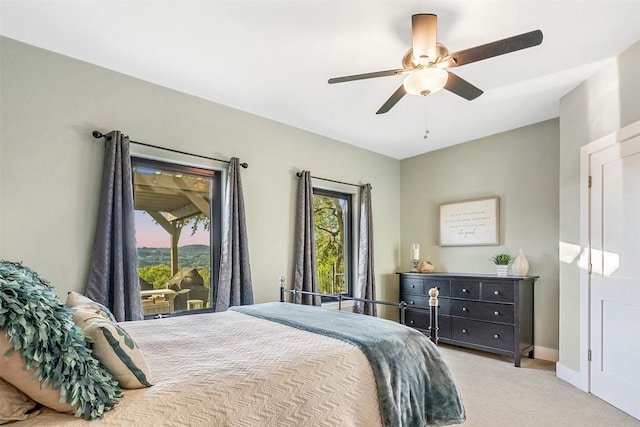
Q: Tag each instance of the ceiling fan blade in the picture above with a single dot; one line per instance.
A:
(367, 75)
(500, 47)
(461, 87)
(393, 100)
(424, 28)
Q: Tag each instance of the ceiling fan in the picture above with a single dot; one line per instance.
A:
(426, 62)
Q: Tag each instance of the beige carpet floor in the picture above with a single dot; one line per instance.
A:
(495, 393)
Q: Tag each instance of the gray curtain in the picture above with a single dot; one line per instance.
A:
(113, 271)
(234, 280)
(305, 276)
(366, 276)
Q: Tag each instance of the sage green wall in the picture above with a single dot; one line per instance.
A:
(50, 172)
(603, 104)
(519, 166)
(50, 165)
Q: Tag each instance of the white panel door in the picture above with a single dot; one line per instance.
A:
(615, 278)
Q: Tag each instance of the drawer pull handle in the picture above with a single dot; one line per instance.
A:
(412, 322)
(497, 313)
(496, 336)
(413, 286)
(412, 302)
(464, 309)
(464, 290)
(464, 331)
(496, 293)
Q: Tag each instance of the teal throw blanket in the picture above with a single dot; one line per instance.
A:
(415, 386)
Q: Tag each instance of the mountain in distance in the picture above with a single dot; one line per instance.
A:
(197, 256)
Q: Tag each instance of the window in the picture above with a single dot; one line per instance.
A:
(332, 216)
(177, 235)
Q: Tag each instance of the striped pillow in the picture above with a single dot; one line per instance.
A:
(114, 348)
(79, 301)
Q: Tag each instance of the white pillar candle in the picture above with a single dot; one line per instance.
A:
(415, 251)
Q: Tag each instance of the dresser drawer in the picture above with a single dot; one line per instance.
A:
(422, 301)
(482, 333)
(416, 300)
(465, 289)
(417, 318)
(421, 285)
(441, 284)
(497, 291)
(412, 285)
(492, 312)
(420, 320)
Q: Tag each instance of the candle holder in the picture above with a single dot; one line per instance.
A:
(415, 256)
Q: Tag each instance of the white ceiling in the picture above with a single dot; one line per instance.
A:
(273, 58)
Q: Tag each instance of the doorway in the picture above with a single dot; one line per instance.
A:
(613, 277)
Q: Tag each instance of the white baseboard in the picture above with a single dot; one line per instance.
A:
(570, 376)
(550, 354)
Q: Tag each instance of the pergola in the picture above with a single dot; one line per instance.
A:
(171, 199)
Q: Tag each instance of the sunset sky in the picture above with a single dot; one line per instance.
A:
(151, 235)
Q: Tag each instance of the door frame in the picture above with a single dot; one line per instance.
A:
(586, 151)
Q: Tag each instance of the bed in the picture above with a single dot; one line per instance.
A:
(281, 364)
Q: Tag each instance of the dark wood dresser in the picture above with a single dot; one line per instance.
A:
(482, 312)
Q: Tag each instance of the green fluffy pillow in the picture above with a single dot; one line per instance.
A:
(51, 347)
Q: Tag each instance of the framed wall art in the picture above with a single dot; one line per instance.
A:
(470, 222)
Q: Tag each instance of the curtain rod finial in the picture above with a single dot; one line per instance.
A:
(244, 165)
(97, 134)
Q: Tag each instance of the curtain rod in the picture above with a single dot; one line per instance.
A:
(299, 174)
(97, 135)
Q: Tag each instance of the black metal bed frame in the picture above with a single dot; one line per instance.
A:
(402, 306)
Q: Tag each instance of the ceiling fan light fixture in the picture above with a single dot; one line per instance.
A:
(425, 63)
(426, 80)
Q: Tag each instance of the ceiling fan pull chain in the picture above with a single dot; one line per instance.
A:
(426, 115)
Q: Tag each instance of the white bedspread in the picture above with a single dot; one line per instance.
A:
(230, 369)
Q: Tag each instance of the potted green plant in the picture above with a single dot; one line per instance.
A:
(502, 262)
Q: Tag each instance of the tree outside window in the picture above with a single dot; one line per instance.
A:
(332, 216)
